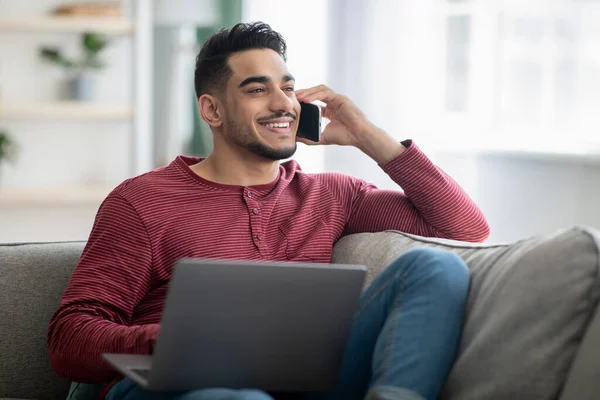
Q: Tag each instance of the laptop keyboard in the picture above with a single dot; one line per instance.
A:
(144, 373)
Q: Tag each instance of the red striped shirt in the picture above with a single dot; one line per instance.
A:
(114, 299)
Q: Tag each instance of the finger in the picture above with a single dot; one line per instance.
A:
(326, 96)
(312, 89)
(302, 93)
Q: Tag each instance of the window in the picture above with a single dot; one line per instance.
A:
(521, 70)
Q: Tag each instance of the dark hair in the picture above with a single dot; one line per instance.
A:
(212, 70)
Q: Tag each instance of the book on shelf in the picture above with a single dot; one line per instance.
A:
(88, 10)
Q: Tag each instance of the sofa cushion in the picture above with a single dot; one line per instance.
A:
(529, 306)
(32, 280)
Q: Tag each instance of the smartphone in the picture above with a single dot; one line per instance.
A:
(309, 124)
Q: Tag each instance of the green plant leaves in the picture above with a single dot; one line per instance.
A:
(54, 55)
(8, 148)
(91, 43)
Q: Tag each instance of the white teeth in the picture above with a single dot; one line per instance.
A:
(278, 125)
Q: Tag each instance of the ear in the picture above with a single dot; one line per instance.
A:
(211, 110)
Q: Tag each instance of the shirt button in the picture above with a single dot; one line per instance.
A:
(258, 237)
(249, 194)
(256, 211)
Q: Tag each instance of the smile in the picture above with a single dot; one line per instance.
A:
(277, 125)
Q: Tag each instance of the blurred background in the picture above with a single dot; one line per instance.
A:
(504, 95)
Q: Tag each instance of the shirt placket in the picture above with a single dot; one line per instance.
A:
(255, 212)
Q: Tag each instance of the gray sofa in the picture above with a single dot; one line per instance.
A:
(532, 329)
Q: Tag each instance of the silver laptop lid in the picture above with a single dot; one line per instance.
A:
(270, 326)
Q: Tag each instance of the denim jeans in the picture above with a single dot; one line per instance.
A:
(402, 343)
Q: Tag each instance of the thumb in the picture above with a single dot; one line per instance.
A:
(306, 141)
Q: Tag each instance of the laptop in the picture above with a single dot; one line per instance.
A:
(278, 327)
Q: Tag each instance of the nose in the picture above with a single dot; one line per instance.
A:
(281, 101)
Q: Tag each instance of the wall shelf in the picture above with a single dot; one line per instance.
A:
(36, 207)
(106, 25)
(64, 110)
(83, 196)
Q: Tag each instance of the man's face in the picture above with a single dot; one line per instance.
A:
(261, 106)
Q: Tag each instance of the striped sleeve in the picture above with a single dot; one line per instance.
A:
(431, 203)
(111, 277)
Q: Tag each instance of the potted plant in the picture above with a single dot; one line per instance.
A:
(80, 83)
(8, 149)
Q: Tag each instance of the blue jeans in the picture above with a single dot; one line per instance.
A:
(402, 343)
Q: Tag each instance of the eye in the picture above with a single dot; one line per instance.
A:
(289, 89)
(256, 90)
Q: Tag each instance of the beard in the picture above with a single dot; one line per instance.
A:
(243, 137)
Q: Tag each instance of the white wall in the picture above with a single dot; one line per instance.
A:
(42, 224)
(526, 195)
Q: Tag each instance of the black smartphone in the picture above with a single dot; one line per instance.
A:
(309, 124)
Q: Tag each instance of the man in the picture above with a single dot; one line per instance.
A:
(240, 202)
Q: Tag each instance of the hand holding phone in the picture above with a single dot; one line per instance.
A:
(309, 123)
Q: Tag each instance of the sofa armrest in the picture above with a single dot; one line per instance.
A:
(530, 305)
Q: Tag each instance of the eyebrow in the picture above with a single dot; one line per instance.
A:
(264, 79)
